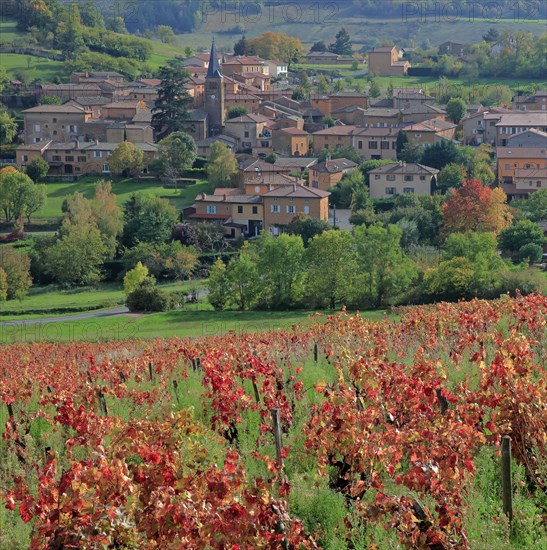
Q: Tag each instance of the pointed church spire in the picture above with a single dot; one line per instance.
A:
(214, 67)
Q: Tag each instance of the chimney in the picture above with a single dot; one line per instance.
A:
(96, 142)
(225, 197)
(294, 188)
(76, 144)
(204, 196)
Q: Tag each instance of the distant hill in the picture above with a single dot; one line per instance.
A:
(187, 15)
(367, 24)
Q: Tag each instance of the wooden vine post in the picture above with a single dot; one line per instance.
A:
(506, 478)
(176, 388)
(255, 386)
(280, 526)
(276, 418)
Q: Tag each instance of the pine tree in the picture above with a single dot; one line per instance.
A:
(342, 45)
(171, 111)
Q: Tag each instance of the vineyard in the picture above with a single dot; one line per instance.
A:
(345, 433)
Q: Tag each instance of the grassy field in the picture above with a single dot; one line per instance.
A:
(123, 188)
(40, 68)
(431, 83)
(162, 53)
(46, 69)
(44, 300)
(9, 30)
(198, 321)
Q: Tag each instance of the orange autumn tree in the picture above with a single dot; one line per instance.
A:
(277, 45)
(9, 170)
(475, 207)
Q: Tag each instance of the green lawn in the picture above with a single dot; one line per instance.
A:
(196, 322)
(344, 70)
(123, 188)
(45, 69)
(40, 67)
(9, 31)
(44, 300)
(162, 53)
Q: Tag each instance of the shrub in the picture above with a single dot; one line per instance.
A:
(526, 281)
(147, 297)
(37, 169)
(134, 278)
(186, 234)
(530, 253)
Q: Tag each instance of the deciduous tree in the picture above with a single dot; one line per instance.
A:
(387, 270)
(439, 154)
(475, 207)
(34, 199)
(374, 89)
(90, 15)
(277, 45)
(177, 153)
(134, 278)
(37, 169)
(319, 47)
(108, 215)
(451, 177)
(16, 265)
(237, 111)
(331, 267)
(519, 234)
(280, 264)
(16, 193)
(148, 219)
(165, 34)
(470, 266)
(222, 166)
(126, 159)
(8, 128)
(79, 252)
(217, 285)
(3, 285)
(68, 34)
(242, 279)
(323, 85)
(535, 206)
(456, 109)
(530, 253)
(307, 227)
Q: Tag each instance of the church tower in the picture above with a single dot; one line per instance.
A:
(214, 94)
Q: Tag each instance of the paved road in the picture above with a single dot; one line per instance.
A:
(76, 317)
(342, 218)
